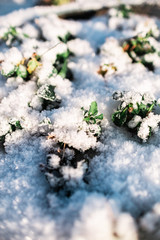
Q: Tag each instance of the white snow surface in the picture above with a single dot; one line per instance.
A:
(123, 180)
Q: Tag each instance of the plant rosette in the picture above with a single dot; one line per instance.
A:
(135, 112)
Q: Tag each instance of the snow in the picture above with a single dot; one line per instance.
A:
(115, 179)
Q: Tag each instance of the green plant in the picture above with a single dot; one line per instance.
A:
(47, 92)
(135, 112)
(137, 48)
(66, 38)
(11, 35)
(60, 66)
(91, 117)
(47, 98)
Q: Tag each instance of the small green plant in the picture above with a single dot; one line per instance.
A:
(12, 35)
(135, 113)
(13, 125)
(91, 117)
(60, 66)
(106, 68)
(68, 37)
(123, 11)
(137, 48)
(47, 97)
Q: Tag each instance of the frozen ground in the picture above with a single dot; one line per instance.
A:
(117, 195)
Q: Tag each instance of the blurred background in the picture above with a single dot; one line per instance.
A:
(7, 6)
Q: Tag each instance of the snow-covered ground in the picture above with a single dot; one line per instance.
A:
(57, 179)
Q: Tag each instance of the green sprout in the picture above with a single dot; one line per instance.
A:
(91, 117)
(68, 37)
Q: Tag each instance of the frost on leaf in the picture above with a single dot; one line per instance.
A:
(47, 92)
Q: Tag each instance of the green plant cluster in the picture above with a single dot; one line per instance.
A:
(91, 117)
(130, 111)
(137, 48)
(60, 66)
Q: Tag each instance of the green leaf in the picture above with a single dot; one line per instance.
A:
(10, 74)
(93, 108)
(25, 35)
(120, 117)
(15, 125)
(61, 64)
(47, 92)
(66, 38)
(63, 71)
(86, 119)
(22, 71)
(99, 117)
